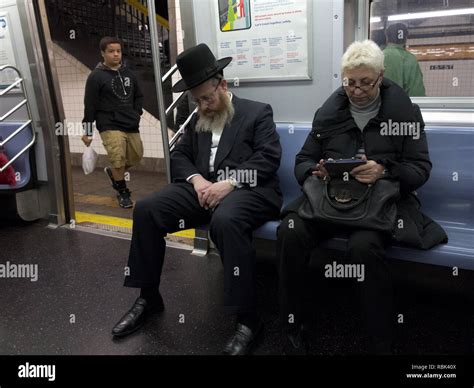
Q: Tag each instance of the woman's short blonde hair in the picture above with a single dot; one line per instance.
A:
(365, 53)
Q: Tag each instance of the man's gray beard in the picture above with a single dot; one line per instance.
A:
(217, 123)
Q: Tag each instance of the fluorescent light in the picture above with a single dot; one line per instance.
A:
(375, 19)
(431, 14)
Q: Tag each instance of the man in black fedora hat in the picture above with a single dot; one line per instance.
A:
(224, 173)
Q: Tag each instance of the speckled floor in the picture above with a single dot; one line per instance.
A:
(79, 296)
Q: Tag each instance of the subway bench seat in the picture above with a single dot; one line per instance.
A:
(22, 164)
(447, 197)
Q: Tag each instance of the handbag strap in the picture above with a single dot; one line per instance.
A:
(346, 207)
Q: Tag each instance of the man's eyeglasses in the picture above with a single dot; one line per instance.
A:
(364, 85)
(209, 98)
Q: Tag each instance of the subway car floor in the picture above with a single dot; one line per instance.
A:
(78, 297)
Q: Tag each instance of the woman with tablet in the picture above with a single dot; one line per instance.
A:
(350, 138)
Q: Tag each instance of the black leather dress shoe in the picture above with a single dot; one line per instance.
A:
(135, 317)
(243, 340)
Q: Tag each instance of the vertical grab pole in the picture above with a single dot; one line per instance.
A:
(155, 51)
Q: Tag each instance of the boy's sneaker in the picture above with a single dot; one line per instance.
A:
(124, 199)
(108, 172)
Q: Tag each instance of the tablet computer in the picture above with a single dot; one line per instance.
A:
(340, 166)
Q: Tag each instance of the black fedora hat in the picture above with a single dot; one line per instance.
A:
(196, 65)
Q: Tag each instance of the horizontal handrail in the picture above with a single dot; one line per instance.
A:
(12, 135)
(169, 73)
(5, 91)
(14, 109)
(144, 10)
(19, 153)
(3, 67)
(174, 103)
(180, 132)
(175, 138)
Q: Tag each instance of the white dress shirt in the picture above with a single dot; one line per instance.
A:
(216, 137)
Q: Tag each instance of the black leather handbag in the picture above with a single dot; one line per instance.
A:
(351, 203)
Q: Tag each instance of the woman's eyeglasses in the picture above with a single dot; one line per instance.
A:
(364, 85)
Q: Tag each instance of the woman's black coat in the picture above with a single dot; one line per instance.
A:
(405, 157)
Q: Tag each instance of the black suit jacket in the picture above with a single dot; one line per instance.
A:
(249, 143)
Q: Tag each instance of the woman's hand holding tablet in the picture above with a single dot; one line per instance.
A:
(337, 167)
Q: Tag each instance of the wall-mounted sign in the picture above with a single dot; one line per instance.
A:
(7, 55)
(268, 39)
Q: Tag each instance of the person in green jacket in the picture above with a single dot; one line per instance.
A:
(401, 66)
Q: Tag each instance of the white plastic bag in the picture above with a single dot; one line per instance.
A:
(89, 159)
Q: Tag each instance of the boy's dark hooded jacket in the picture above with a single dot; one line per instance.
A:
(112, 99)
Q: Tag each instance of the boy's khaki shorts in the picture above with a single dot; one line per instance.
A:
(124, 149)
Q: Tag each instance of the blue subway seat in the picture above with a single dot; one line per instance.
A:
(447, 197)
(13, 147)
(292, 138)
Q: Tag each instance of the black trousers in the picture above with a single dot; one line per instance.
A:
(298, 237)
(176, 207)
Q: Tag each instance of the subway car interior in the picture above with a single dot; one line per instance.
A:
(73, 217)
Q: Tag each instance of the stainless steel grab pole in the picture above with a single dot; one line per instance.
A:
(155, 51)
